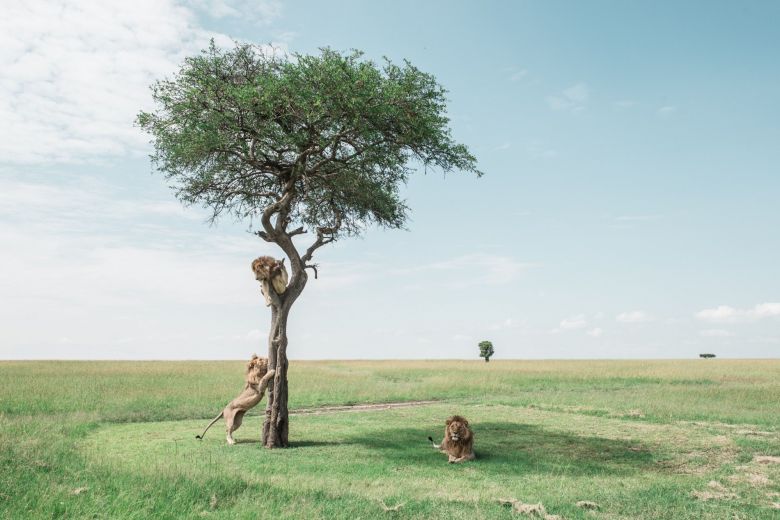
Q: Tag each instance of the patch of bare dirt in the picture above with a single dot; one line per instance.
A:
(532, 510)
(766, 459)
(716, 492)
(753, 432)
(754, 479)
(359, 407)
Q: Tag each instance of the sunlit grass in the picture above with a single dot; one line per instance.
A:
(636, 437)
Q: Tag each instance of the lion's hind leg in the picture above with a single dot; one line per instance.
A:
(237, 419)
(230, 423)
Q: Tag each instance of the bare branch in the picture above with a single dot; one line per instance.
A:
(313, 267)
(325, 235)
(264, 236)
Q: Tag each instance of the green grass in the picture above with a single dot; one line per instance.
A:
(638, 438)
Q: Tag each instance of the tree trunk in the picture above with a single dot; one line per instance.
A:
(276, 425)
(487, 360)
(277, 419)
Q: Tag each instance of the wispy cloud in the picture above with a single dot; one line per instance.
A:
(634, 317)
(462, 338)
(516, 74)
(257, 11)
(574, 98)
(595, 332)
(726, 314)
(507, 323)
(474, 269)
(75, 73)
(574, 322)
(667, 111)
(540, 150)
(715, 333)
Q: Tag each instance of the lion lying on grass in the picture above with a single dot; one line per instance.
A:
(257, 378)
(458, 441)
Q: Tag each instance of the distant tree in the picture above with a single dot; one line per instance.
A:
(317, 144)
(706, 356)
(486, 350)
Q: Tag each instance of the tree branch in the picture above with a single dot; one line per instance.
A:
(313, 267)
(325, 235)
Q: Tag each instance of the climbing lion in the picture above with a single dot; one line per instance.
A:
(257, 378)
(271, 273)
(458, 441)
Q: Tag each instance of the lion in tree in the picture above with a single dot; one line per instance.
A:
(271, 274)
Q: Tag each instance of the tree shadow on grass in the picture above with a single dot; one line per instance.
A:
(510, 448)
(309, 443)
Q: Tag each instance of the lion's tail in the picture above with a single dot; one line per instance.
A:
(436, 446)
(218, 417)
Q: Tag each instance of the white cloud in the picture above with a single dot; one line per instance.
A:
(474, 269)
(256, 334)
(726, 314)
(574, 98)
(667, 111)
(595, 332)
(74, 239)
(634, 317)
(75, 73)
(575, 322)
(515, 74)
(715, 333)
(508, 323)
(518, 75)
(462, 337)
(257, 11)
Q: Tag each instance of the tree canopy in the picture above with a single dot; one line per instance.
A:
(486, 350)
(319, 144)
(324, 141)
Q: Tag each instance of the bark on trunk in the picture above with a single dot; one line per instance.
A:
(276, 424)
(277, 419)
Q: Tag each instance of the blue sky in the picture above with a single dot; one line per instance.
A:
(629, 207)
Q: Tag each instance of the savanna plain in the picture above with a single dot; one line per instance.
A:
(696, 439)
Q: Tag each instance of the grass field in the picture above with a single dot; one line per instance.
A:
(642, 439)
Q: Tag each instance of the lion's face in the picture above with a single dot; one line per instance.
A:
(256, 369)
(458, 428)
(261, 267)
(265, 267)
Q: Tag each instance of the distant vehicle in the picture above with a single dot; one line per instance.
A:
(706, 356)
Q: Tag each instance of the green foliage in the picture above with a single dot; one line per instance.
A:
(486, 350)
(333, 136)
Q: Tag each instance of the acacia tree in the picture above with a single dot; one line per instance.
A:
(316, 144)
(486, 350)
